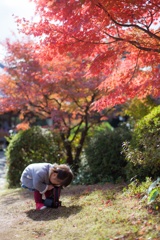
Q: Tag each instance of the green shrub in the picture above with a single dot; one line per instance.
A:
(136, 171)
(143, 151)
(103, 155)
(137, 188)
(147, 191)
(33, 145)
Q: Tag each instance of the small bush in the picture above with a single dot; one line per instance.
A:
(143, 151)
(147, 191)
(103, 155)
(138, 171)
(33, 145)
(135, 187)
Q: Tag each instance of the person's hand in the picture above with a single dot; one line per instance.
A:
(50, 187)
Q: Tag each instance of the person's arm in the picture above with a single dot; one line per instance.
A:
(42, 187)
(50, 187)
(39, 185)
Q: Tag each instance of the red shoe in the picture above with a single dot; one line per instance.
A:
(40, 206)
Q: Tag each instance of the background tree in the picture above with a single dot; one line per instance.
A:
(136, 109)
(122, 37)
(56, 89)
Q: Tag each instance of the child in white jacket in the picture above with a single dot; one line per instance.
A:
(42, 177)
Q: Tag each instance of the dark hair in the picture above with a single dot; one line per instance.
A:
(61, 174)
(68, 180)
(65, 174)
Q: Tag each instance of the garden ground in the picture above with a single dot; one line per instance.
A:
(96, 212)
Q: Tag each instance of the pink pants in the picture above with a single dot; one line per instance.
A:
(38, 196)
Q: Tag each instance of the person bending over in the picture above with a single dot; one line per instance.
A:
(42, 177)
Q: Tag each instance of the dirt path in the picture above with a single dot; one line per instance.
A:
(2, 170)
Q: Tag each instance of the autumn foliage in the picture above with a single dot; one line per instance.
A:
(56, 90)
(86, 55)
(121, 37)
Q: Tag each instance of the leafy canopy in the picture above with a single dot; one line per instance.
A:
(121, 37)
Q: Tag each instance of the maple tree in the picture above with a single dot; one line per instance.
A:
(112, 47)
(122, 37)
(54, 89)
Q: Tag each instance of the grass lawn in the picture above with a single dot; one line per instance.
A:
(96, 212)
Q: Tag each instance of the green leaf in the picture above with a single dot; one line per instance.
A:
(153, 185)
(152, 196)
